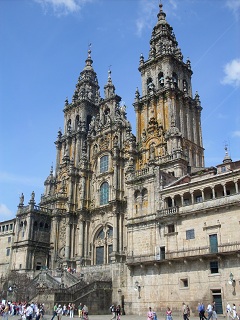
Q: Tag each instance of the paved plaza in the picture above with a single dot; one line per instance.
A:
(125, 317)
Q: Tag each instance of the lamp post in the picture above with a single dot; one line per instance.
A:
(232, 281)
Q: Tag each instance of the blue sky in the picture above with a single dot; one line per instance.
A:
(44, 45)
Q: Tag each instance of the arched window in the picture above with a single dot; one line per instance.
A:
(104, 193)
(161, 79)
(103, 164)
(185, 86)
(76, 122)
(69, 126)
(175, 79)
(101, 234)
(150, 85)
(103, 245)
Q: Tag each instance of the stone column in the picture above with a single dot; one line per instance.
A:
(115, 231)
(58, 156)
(80, 239)
(67, 246)
(224, 190)
(213, 193)
(192, 197)
(120, 233)
(182, 200)
(54, 239)
(236, 186)
(86, 240)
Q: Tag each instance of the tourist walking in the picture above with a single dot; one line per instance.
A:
(184, 311)
(234, 311)
(59, 312)
(113, 310)
(209, 311)
(54, 311)
(80, 310)
(201, 311)
(169, 313)
(150, 314)
(85, 312)
(71, 310)
(228, 311)
(5, 311)
(214, 310)
(118, 312)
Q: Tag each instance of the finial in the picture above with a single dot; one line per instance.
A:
(227, 157)
(109, 71)
(51, 170)
(161, 15)
(89, 50)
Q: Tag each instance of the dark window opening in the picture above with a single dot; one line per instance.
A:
(214, 266)
(190, 234)
(171, 228)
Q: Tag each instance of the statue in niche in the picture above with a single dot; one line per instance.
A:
(144, 135)
(152, 152)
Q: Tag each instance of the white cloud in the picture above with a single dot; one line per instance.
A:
(232, 73)
(236, 133)
(62, 7)
(147, 12)
(5, 213)
(234, 6)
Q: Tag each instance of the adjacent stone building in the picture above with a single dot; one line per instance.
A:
(142, 212)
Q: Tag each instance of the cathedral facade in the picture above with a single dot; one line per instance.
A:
(140, 211)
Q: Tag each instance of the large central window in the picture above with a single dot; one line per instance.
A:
(104, 164)
(103, 245)
(104, 193)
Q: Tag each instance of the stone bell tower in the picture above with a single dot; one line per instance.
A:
(168, 117)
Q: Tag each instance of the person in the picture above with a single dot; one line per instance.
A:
(29, 312)
(64, 310)
(59, 312)
(80, 310)
(188, 311)
(169, 313)
(113, 310)
(234, 311)
(150, 314)
(209, 311)
(228, 310)
(118, 312)
(54, 311)
(85, 312)
(5, 311)
(184, 311)
(201, 310)
(71, 310)
(214, 315)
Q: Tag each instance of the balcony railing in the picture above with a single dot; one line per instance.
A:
(168, 211)
(225, 248)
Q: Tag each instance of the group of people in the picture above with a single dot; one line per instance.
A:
(27, 311)
(231, 311)
(116, 311)
(210, 311)
(68, 310)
